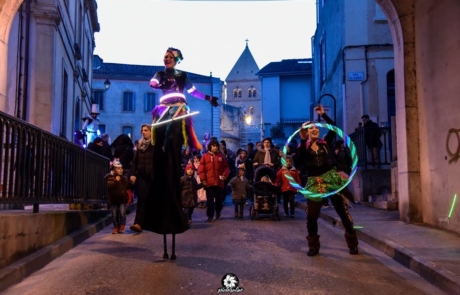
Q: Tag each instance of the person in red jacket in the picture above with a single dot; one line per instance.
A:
(213, 171)
(287, 190)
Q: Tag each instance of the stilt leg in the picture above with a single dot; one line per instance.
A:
(173, 255)
(165, 255)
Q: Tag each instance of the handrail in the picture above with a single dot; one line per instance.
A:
(38, 167)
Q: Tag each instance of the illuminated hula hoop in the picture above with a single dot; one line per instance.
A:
(354, 157)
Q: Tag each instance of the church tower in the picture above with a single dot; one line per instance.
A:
(244, 91)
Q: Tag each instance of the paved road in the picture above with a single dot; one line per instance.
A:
(268, 257)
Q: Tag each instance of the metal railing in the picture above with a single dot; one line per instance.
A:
(38, 167)
(366, 140)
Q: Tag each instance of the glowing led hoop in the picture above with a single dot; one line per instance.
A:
(354, 158)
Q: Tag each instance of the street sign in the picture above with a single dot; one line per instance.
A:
(355, 76)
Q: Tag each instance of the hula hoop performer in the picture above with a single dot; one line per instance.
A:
(171, 129)
(322, 178)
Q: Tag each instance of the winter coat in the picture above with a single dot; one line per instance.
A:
(282, 180)
(117, 190)
(142, 164)
(240, 187)
(188, 188)
(212, 168)
(260, 157)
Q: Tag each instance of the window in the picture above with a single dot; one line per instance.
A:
(102, 128)
(149, 101)
(65, 87)
(98, 97)
(239, 93)
(322, 56)
(128, 101)
(128, 130)
(252, 91)
(235, 93)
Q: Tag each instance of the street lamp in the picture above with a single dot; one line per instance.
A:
(107, 84)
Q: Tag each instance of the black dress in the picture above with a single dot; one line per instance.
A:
(164, 214)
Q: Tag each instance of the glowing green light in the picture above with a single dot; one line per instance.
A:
(452, 207)
(357, 226)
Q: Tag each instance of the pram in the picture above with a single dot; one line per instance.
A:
(265, 194)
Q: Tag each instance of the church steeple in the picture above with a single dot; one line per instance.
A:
(245, 67)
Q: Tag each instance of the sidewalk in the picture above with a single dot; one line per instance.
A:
(432, 253)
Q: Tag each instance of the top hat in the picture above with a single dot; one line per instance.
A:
(95, 108)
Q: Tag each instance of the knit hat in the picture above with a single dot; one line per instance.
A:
(189, 167)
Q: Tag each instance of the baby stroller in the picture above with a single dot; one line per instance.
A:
(265, 200)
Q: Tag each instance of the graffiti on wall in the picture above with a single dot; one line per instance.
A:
(454, 153)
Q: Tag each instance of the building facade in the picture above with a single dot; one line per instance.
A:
(130, 100)
(286, 97)
(49, 62)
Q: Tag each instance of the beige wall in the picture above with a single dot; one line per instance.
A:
(438, 77)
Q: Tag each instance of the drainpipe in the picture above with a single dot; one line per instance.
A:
(17, 110)
(26, 63)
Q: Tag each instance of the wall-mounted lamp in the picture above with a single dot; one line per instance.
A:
(107, 84)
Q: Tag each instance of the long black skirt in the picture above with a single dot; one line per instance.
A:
(164, 214)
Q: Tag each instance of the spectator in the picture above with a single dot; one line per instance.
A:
(213, 171)
(240, 188)
(267, 156)
(372, 138)
(360, 125)
(97, 146)
(141, 175)
(118, 185)
(189, 187)
(123, 151)
(201, 194)
(251, 151)
(287, 190)
(107, 148)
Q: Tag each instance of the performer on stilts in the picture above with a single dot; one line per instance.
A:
(171, 129)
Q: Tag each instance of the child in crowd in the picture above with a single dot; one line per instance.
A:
(287, 190)
(118, 185)
(240, 187)
(201, 193)
(188, 188)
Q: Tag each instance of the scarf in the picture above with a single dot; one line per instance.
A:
(143, 144)
(267, 159)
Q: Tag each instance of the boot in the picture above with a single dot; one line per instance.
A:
(115, 230)
(241, 211)
(352, 242)
(313, 245)
(121, 229)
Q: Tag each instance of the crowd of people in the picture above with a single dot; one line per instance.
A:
(172, 173)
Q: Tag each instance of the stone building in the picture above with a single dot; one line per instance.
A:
(47, 60)
(244, 92)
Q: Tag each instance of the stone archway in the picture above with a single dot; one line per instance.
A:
(8, 9)
(400, 15)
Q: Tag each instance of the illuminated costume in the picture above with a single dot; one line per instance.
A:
(322, 178)
(91, 125)
(164, 204)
